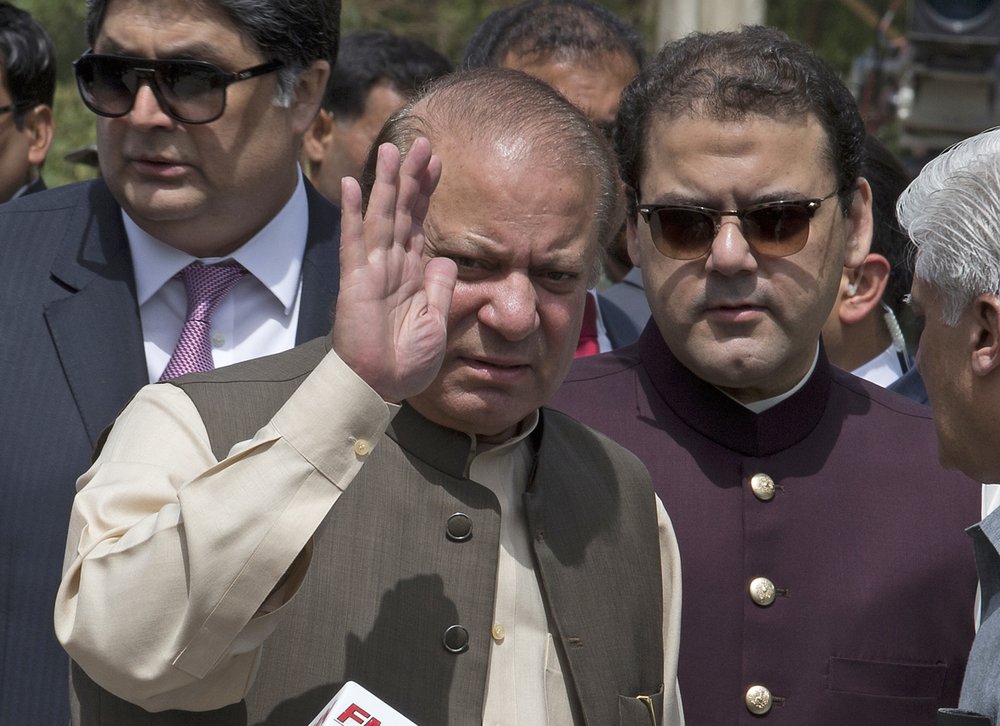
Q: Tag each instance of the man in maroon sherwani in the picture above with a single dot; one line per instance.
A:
(827, 577)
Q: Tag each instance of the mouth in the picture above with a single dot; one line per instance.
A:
(157, 166)
(495, 368)
(738, 312)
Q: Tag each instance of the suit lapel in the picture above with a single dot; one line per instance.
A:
(320, 268)
(95, 329)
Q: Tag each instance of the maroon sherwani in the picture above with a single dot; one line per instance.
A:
(822, 545)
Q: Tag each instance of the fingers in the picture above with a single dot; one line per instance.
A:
(412, 180)
(428, 184)
(397, 205)
(382, 202)
(353, 253)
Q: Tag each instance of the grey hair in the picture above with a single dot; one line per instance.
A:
(951, 212)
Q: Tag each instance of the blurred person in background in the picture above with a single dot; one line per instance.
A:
(27, 90)
(863, 334)
(375, 75)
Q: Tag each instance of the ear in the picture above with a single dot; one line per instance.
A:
(632, 241)
(863, 293)
(38, 123)
(859, 223)
(318, 137)
(985, 315)
(309, 89)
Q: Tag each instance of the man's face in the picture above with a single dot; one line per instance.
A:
(15, 168)
(343, 148)
(520, 228)
(594, 85)
(744, 322)
(204, 188)
(942, 359)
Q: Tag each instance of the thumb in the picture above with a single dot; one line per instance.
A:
(440, 274)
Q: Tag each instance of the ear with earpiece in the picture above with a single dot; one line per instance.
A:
(864, 289)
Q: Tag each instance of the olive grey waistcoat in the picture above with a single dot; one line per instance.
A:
(391, 574)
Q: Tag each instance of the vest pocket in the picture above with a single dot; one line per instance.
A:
(642, 710)
(890, 679)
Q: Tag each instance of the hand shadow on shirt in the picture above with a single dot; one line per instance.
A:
(401, 660)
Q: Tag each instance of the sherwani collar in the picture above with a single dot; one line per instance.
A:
(715, 415)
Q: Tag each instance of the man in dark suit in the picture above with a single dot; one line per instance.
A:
(27, 89)
(90, 306)
(397, 511)
(826, 574)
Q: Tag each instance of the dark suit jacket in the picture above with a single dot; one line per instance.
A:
(618, 325)
(630, 297)
(380, 620)
(71, 358)
(863, 539)
(911, 385)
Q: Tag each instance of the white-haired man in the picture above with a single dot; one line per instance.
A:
(952, 214)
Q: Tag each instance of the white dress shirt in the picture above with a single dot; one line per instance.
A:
(881, 370)
(257, 318)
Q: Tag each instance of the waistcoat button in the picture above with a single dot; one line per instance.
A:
(762, 486)
(459, 527)
(762, 591)
(758, 700)
(456, 639)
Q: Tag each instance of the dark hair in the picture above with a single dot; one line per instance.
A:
(732, 75)
(28, 59)
(484, 105)
(296, 32)
(888, 178)
(547, 28)
(369, 57)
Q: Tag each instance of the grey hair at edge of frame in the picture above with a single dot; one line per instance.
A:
(295, 32)
(951, 212)
(732, 76)
(485, 105)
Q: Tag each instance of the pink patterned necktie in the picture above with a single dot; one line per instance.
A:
(206, 285)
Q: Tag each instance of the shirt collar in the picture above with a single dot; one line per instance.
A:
(764, 404)
(273, 255)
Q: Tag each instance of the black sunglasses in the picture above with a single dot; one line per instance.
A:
(189, 91)
(773, 229)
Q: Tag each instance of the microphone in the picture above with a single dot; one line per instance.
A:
(355, 705)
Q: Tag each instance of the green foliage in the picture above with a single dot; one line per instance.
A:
(74, 129)
(446, 24)
(839, 31)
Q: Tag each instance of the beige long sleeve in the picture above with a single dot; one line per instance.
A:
(171, 555)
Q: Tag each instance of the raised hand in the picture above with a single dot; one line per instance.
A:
(391, 320)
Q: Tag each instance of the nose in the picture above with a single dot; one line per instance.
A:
(511, 307)
(730, 253)
(146, 110)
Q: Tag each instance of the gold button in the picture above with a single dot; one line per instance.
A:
(362, 447)
(762, 591)
(762, 486)
(758, 700)
(498, 632)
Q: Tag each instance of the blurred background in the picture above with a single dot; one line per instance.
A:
(925, 72)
